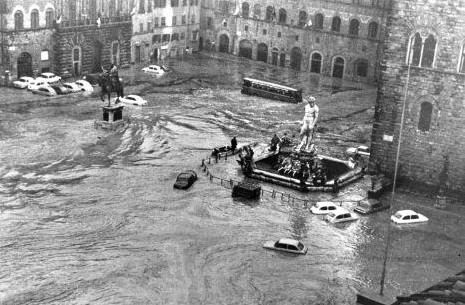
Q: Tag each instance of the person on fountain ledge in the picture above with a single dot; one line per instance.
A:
(308, 123)
(275, 141)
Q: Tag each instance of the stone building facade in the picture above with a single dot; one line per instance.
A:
(423, 69)
(164, 28)
(65, 37)
(342, 38)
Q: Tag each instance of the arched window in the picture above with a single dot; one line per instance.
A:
(49, 16)
(372, 29)
(319, 19)
(361, 68)
(354, 26)
(422, 53)
(270, 13)
(245, 10)
(282, 16)
(257, 11)
(19, 20)
(462, 59)
(336, 24)
(303, 17)
(426, 111)
(34, 19)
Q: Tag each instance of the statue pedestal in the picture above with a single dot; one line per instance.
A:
(112, 117)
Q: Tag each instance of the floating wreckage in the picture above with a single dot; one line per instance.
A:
(304, 170)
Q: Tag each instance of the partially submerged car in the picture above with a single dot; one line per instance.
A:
(72, 87)
(368, 206)
(185, 179)
(408, 216)
(340, 215)
(50, 77)
(132, 99)
(154, 69)
(362, 150)
(286, 245)
(22, 82)
(84, 85)
(323, 207)
(36, 83)
(60, 89)
(45, 90)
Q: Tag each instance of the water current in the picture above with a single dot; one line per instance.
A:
(90, 216)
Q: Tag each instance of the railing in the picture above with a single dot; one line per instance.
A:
(86, 22)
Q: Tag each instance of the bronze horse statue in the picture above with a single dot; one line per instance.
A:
(110, 82)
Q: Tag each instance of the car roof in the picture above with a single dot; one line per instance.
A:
(47, 74)
(406, 212)
(132, 95)
(325, 203)
(155, 66)
(288, 241)
(340, 211)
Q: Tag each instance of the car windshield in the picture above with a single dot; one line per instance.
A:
(398, 215)
(183, 176)
(300, 246)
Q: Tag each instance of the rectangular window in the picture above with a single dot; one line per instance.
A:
(156, 38)
(296, 37)
(141, 6)
(163, 3)
(163, 21)
(246, 28)
(183, 36)
(44, 55)
(165, 38)
(149, 26)
(141, 27)
(183, 19)
(174, 21)
(193, 20)
(156, 22)
(184, 2)
(264, 31)
(191, 2)
(174, 3)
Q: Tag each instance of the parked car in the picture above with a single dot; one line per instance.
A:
(323, 207)
(36, 83)
(50, 77)
(45, 90)
(22, 82)
(72, 87)
(84, 85)
(408, 216)
(91, 79)
(368, 206)
(133, 100)
(340, 215)
(185, 179)
(286, 245)
(154, 69)
(60, 89)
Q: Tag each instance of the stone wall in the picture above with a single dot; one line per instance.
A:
(87, 38)
(435, 156)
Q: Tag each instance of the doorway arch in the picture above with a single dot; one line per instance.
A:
(262, 52)
(296, 58)
(245, 49)
(338, 67)
(224, 44)
(24, 64)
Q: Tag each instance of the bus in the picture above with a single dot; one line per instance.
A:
(261, 88)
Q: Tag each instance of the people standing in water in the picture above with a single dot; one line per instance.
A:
(308, 123)
(233, 144)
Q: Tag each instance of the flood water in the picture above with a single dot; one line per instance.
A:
(90, 216)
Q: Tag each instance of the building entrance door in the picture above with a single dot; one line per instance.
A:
(25, 65)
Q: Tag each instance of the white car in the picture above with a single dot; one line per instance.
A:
(132, 100)
(323, 207)
(84, 85)
(22, 82)
(286, 245)
(154, 69)
(408, 216)
(50, 77)
(49, 91)
(340, 215)
(361, 150)
(72, 87)
(36, 83)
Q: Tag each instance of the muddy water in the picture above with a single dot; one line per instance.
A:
(91, 217)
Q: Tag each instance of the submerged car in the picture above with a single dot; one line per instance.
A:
(360, 150)
(132, 99)
(323, 207)
(369, 206)
(408, 216)
(22, 82)
(72, 87)
(154, 69)
(60, 89)
(37, 83)
(185, 179)
(45, 90)
(286, 245)
(340, 215)
(84, 85)
(50, 77)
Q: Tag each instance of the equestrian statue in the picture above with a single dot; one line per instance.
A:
(110, 82)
